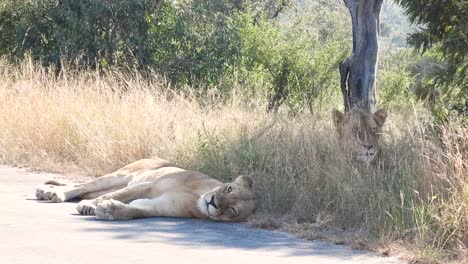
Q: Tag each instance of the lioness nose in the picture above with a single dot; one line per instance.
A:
(212, 202)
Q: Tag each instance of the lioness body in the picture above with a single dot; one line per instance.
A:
(155, 187)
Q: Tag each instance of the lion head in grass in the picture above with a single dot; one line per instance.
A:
(361, 130)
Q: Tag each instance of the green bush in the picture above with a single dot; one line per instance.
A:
(394, 79)
(89, 32)
(294, 58)
(196, 42)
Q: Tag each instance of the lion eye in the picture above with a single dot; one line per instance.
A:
(374, 130)
(356, 133)
(229, 189)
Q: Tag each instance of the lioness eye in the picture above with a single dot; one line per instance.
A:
(356, 133)
(229, 189)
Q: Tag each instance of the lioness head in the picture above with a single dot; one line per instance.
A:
(229, 202)
(361, 130)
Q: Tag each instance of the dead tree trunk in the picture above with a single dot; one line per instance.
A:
(358, 71)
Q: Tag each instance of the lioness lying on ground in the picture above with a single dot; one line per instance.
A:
(155, 187)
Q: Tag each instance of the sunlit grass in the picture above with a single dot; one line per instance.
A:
(96, 122)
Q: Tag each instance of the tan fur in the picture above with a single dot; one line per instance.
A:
(155, 187)
(361, 130)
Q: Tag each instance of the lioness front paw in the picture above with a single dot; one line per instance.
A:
(86, 207)
(108, 209)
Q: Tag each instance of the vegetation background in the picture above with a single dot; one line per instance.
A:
(229, 87)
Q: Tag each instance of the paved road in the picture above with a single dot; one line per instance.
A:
(41, 232)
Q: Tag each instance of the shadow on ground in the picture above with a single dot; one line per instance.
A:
(197, 233)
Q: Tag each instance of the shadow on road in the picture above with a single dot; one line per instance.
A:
(195, 233)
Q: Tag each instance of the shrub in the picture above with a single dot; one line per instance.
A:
(96, 33)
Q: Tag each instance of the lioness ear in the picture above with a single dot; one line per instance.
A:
(245, 181)
(380, 116)
(337, 117)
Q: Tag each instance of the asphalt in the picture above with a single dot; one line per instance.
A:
(37, 232)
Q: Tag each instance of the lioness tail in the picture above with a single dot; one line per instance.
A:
(55, 183)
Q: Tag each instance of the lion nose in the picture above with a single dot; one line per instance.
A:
(212, 202)
(368, 147)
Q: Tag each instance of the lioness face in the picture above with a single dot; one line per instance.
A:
(361, 130)
(229, 202)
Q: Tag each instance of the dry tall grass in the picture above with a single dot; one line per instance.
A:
(418, 193)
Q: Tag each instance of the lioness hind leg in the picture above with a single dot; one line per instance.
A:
(40, 192)
(94, 195)
(130, 193)
(53, 193)
(66, 193)
(124, 195)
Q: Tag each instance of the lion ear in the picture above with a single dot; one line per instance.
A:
(380, 116)
(245, 181)
(337, 118)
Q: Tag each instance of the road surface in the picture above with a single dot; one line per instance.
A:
(42, 232)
